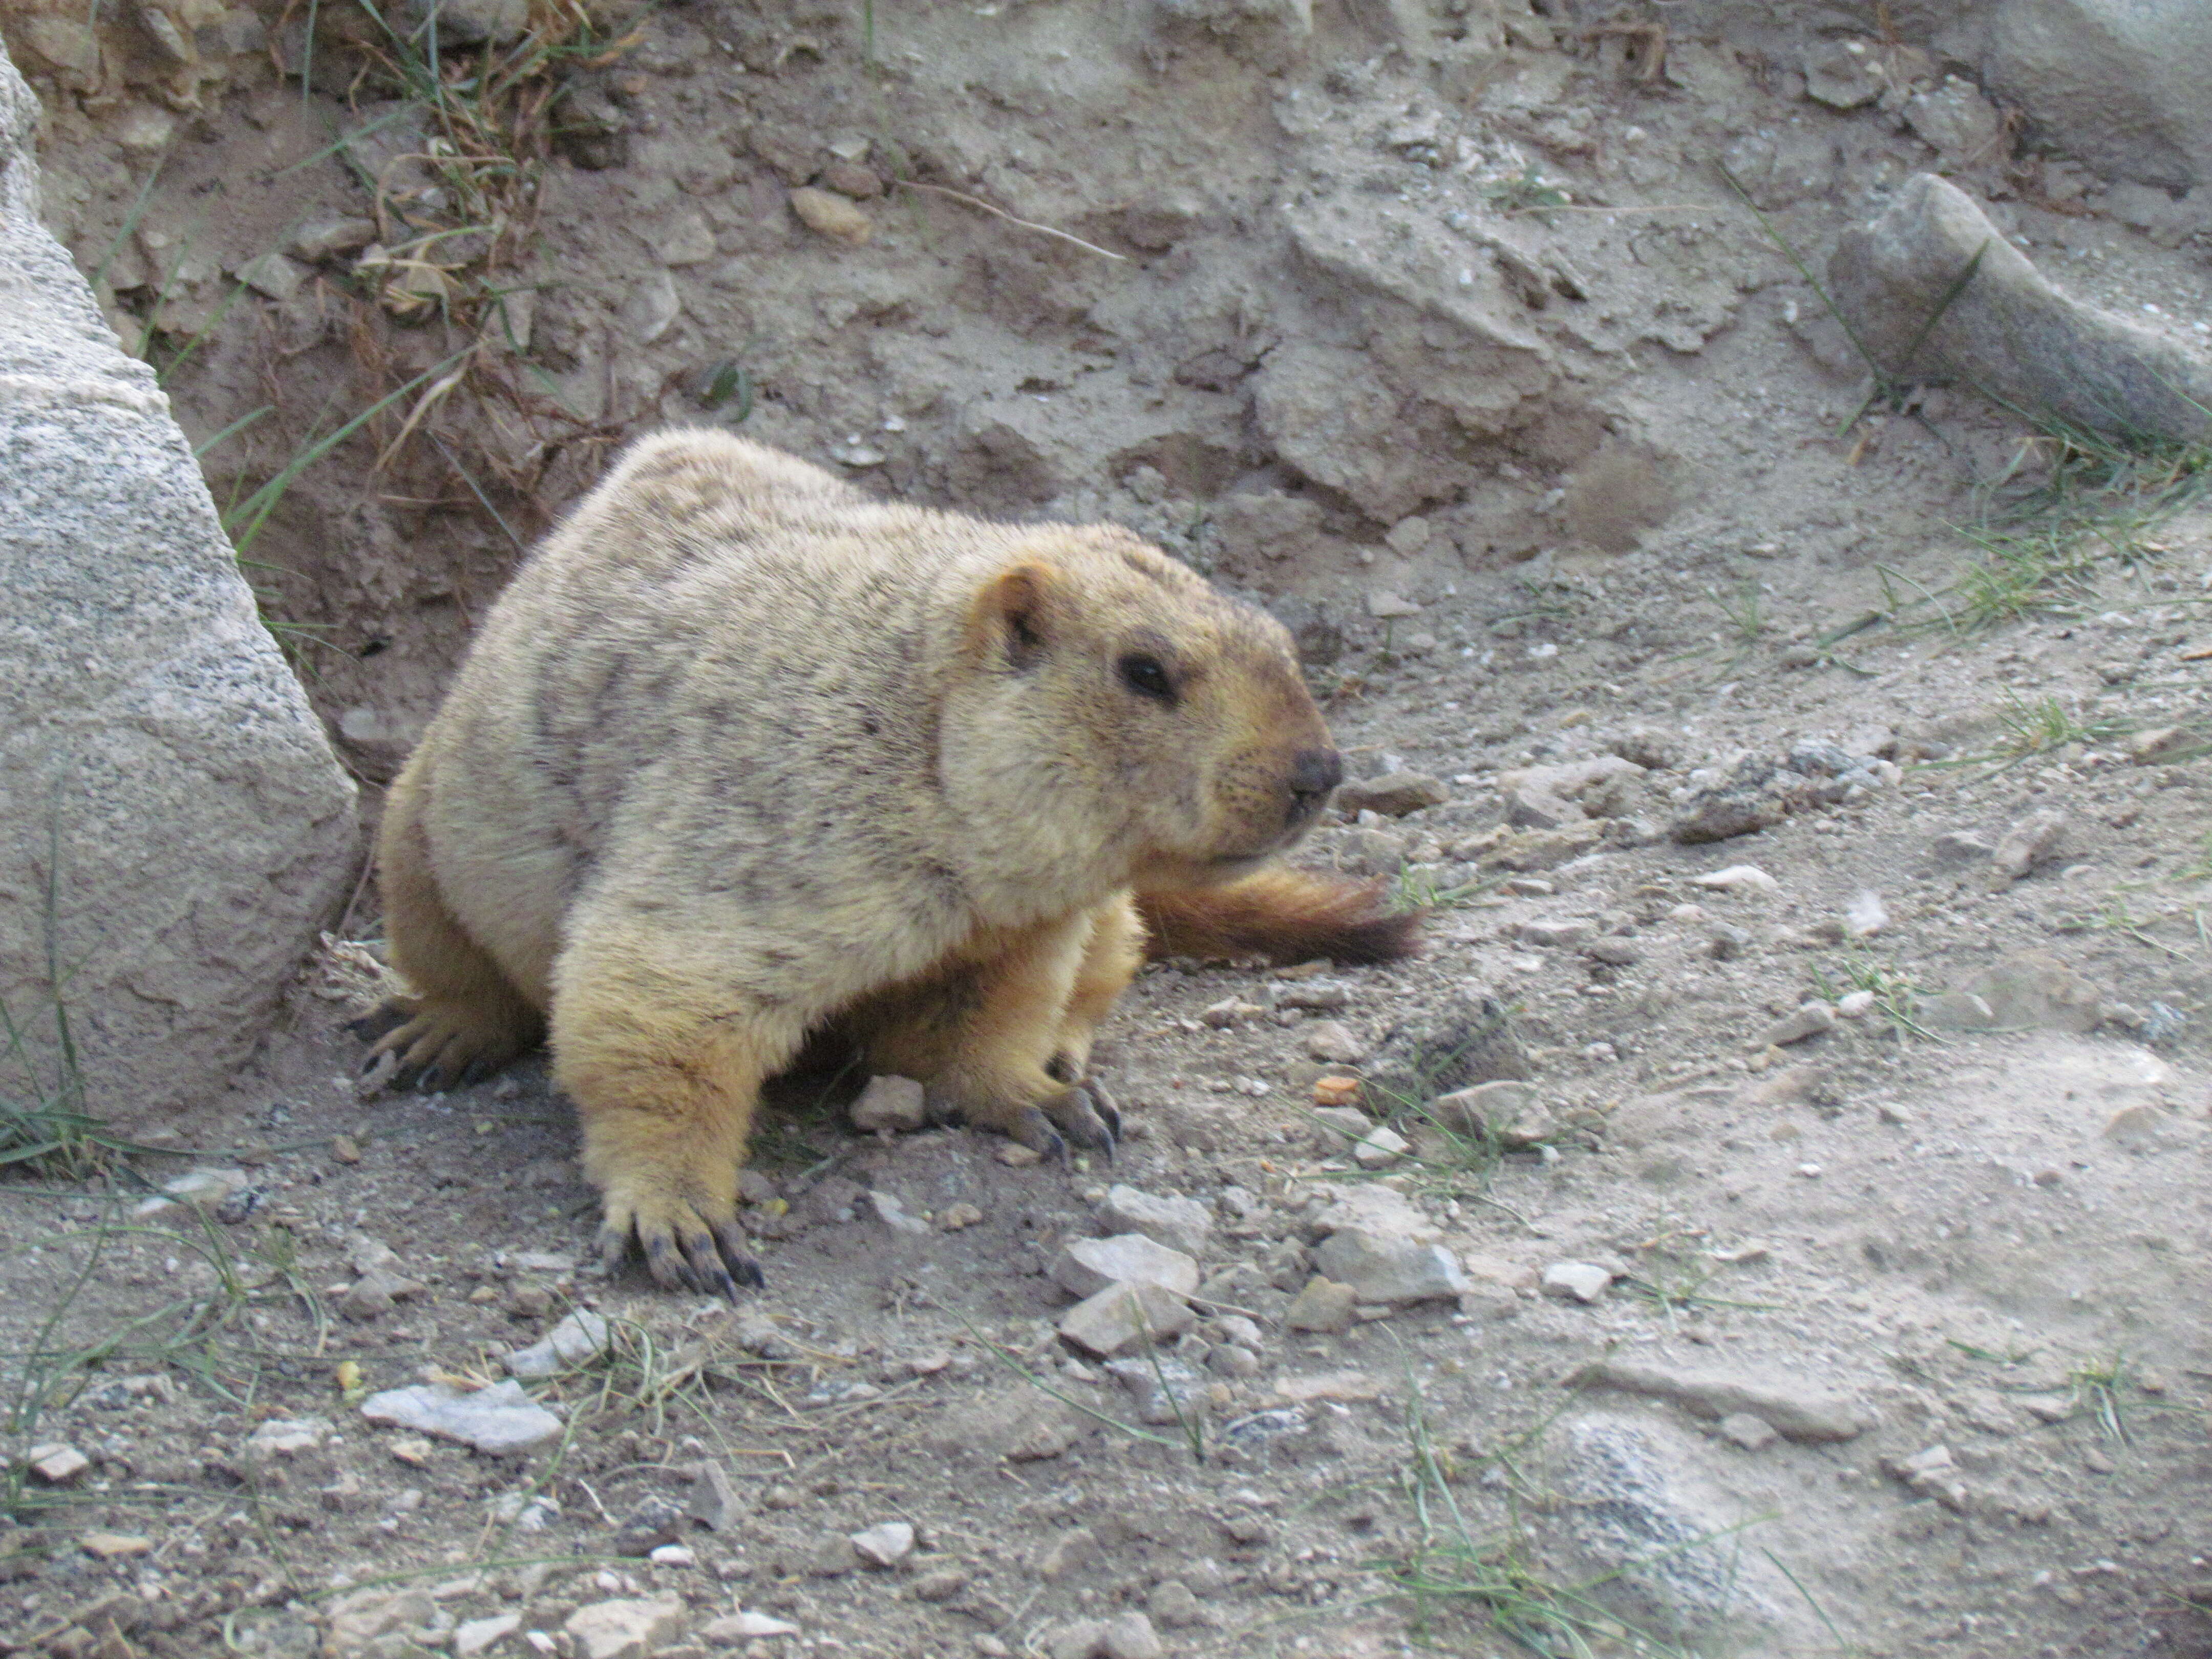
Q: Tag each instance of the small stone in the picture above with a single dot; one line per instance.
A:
(1811, 1020)
(1078, 1638)
(1580, 1281)
(833, 1558)
(1124, 1316)
(629, 1629)
(1342, 1126)
(1482, 1109)
(114, 1545)
(282, 1438)
(894, 1214)
(498, 1420)
(474, 1636)
(1613, 952)
(955, 1217)
(206, 1188)
(1231, 1012)
(1131, 1635)
(2034, 840)
(1379, 1268)
(1956, 1010)
(850, 179)
(683, 239)
(1331, 1041)
(375, 1292)
(1386, 606)
(1232, 1359)
(1071, 1552)
(1382, 1146)
(1315, 995)
(58, 1464)
(2032, 988)
(656, 1519)
(1954, 850)
(1182, 1223)
(578, 1339)
(1555, 934)
(733, 1628)
(1173, 1604)
(2163, 745)
(1752, 1433)
(345, 1149)
(1865, 915)
(1726, 944)
(713, 1502)
(885, 1544)
(1792, 1407)
(1394, 795)
(651, 307)
(940, 1584)
(890, 1104)
(1335, 1091)
(273, 276)
(327, 236)
(1085, 1267)
(1738, 878)
(828, 214)
(1322, 1305)
(673, 1555)
(1855, 1005)
(1015, 1156)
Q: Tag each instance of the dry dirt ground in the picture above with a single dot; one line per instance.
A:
(1468, 359)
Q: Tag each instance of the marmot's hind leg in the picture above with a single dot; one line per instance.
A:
(466, 1020)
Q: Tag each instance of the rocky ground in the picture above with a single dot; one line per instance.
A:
(1762, 1223)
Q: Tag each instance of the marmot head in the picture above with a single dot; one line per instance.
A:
(1108, 673)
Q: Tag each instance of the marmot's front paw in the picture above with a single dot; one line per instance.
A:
(690, 1242)
(1083, 1114)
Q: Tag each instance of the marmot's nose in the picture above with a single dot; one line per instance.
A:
(1313, 775)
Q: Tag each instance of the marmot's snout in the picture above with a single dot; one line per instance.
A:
(1314, 776)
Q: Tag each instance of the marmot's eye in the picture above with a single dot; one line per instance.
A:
(1145, 676)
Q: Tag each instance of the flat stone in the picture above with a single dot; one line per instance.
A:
(1796, 1411)
(1579, 1281)
(885, 1544)
(1345, 1387)
(274, 275)
(895, 1215)
(58, 1464)
(1173, 1603)
(1556, 934)
(1812, 1019)
(1085, 1267)
(1182, 1223)
(1332, 1042)
(474, 1636)
(1019, 1423)
(735, 1627)
(286, 1438)
(1954, 849)
(1483, 1108)
(1380, 1147)
(114, 1545)
(635, 1628)
(500, 1421)
(578, 1339)
(1378, 1267)
(2162, 745)
(2007, 333)
(1131, 1635)
(1342, 1126)
(890, 1104)
(1125, 1316)
(1394, 795)
(715, 1503)
(1957, 1011)
(1752, 1433)
(1322, 1305)
(2034, 840)
(1375, 1209)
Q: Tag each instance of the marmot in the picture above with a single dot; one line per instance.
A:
(742, 757)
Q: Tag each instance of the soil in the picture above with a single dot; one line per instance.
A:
(1468, 359)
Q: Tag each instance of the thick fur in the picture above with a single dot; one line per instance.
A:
(1283, 915)
(742, 757)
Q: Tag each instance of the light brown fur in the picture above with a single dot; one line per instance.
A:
(742, 757)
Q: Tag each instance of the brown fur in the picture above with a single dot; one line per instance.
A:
(1283, 915)
(742, 758)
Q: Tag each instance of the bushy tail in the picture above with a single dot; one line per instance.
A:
(1284, 915)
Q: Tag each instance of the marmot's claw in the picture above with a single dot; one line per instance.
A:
(683, 1251)
(431, 1081)
(1035, 1131)
(1109, 1114)
(475, 1072)
(377, 1023)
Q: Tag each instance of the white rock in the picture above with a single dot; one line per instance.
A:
(474, 1636)
(629, 1629)
(1131, 1635)
(282, 1437)
(673, 1555)
(885, 1544)
(1124, 1316)
(1182, 1223)
(498, 1420)
(893, 1215)
(890, 1103)
(1380, 1145)
(1855, 1005)
(1738, 878)
(736, 1627)
(1085, 1267)
(1581, 1281)
(1332, 1041)
(1380, 1268)
(580, 1338)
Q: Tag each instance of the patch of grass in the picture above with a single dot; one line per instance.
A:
(1417, 890)
(1745, 611)
(1525, 191)
(2103, 1390)
(1896, 995)
(1460, 1578)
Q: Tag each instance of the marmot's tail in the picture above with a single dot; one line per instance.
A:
(1284, 915)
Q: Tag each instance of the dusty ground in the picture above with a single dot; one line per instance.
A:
(1471, 363)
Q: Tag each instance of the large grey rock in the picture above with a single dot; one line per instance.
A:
(2008, 333)
(2120, 83)
(174, 827)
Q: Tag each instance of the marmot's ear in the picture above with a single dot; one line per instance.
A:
(1015, 612)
